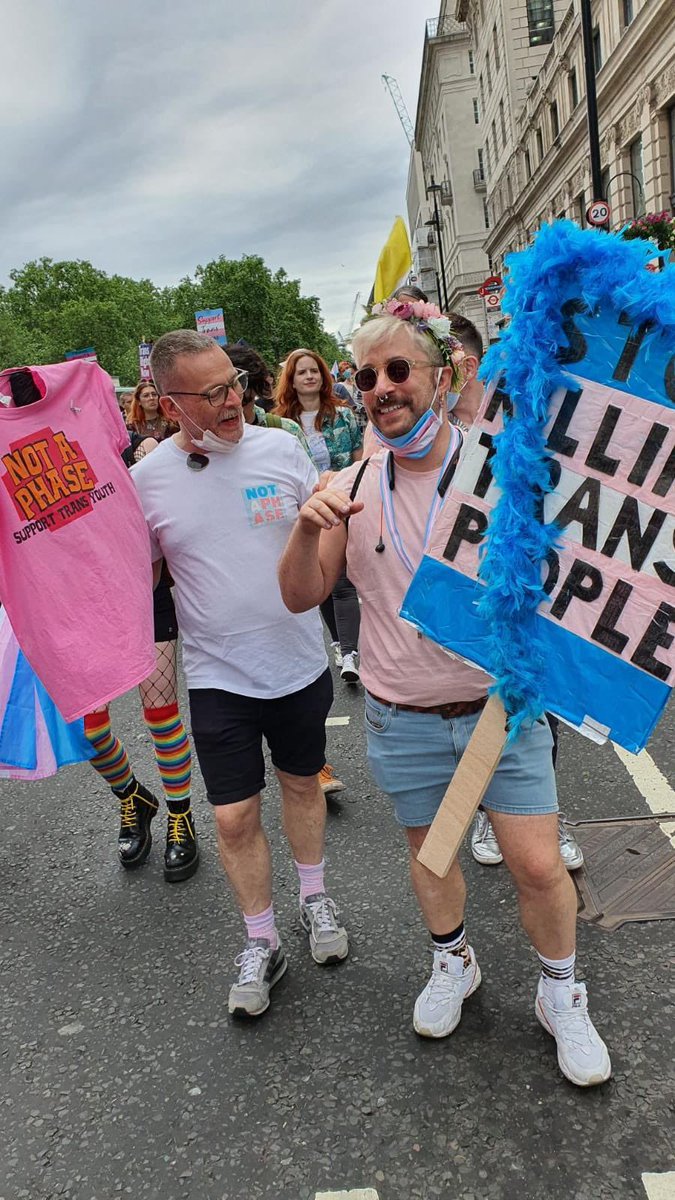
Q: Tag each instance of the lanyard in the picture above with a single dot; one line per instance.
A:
(387, 496)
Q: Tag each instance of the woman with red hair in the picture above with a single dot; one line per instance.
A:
(304, 393)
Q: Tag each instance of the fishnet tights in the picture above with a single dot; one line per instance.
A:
(159, 689)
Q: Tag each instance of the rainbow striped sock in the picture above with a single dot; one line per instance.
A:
(111, 759)
(172, 751)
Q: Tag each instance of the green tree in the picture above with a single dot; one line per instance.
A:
(52, 307)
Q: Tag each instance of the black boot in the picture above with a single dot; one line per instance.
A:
(137, 808)
(181, 857)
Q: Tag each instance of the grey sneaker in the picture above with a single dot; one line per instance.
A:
(260, 967)
(328, 941)
(484, 844)
(350, 667)
(337, 653)
(570, 850)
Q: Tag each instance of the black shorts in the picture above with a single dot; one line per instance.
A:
(164, 613)
(228, 730)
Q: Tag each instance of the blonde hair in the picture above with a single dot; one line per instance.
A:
(381, 329)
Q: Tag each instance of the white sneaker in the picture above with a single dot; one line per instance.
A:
(350, 669)
(337, 652)
(563, 1011)
(439, 1007)
(328, 941)
(570, 850)
(484, 844)
(260, 967)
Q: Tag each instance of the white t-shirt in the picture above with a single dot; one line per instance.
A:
(316, 441)
(222, 531)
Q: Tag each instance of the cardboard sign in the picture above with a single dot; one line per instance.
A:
(211, 322)
(601, 630)
(144, 349)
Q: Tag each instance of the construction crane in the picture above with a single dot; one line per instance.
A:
(399, 103)
(352, 319)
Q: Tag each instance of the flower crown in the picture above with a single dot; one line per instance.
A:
(428, 319)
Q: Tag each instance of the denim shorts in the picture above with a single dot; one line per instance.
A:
(413, 756)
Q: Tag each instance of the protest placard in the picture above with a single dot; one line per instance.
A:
(144, 349)
(552, 563)
(211, 322)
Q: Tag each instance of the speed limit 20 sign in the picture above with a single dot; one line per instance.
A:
(598, 212)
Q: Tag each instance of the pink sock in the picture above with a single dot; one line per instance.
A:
(311, 879)
(263, 925)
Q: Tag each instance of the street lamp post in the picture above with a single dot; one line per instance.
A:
(435, 188)
(591, 100)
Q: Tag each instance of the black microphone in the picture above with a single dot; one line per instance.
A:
(379, 549)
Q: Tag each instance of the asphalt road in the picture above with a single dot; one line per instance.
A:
(122, 1074)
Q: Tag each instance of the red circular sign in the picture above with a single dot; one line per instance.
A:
(598, 212)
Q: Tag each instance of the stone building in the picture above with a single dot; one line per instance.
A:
(447, 140)
(534, 137)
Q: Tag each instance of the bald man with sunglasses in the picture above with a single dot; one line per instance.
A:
(220, 499)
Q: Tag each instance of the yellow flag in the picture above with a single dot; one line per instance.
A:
(394, 262)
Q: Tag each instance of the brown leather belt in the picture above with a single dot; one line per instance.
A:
(461, 708)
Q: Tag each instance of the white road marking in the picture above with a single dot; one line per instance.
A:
(359, 1194)
(338, 721)
(660, 1187)
(652, 785)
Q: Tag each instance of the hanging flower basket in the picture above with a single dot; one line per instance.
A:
(653, 227)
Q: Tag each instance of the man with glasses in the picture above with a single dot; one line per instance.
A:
(421, 705)
(220, 498)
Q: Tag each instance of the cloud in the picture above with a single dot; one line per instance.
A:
(151, 138)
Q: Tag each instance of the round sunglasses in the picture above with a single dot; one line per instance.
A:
(397, 371)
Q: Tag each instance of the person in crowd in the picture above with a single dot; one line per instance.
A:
(408, 291)
(305, 394)
(246, 359)
(220, 498)
(250, 362)
(463, 406)
(145, 418)
(421, 706)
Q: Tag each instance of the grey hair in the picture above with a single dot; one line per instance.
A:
(170, 347)
(381, 329)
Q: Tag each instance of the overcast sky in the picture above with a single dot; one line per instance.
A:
(152, 136)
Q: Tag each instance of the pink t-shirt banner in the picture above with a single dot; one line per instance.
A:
(75, 568)
(552, 563)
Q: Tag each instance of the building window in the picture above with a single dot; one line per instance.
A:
(476, 111)
(495, 44)
(482, 93)
(580, 206)
(528, 165)
(604, 183)
(481, 164)
(638, 178)
(540, 21)
(488, 72)
(574, 88)
(488, 168)
(628, 12)
(494, 139)
(671, 138)
(486, 214)
(540, 144)
(597, 48)
(472, 64)
(502, 120)
(509, 189)
(555, 121)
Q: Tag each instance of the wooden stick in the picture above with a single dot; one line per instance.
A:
(466, 790)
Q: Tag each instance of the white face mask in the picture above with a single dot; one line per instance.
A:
(210, 442)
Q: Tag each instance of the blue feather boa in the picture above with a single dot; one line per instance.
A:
(603, 268)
